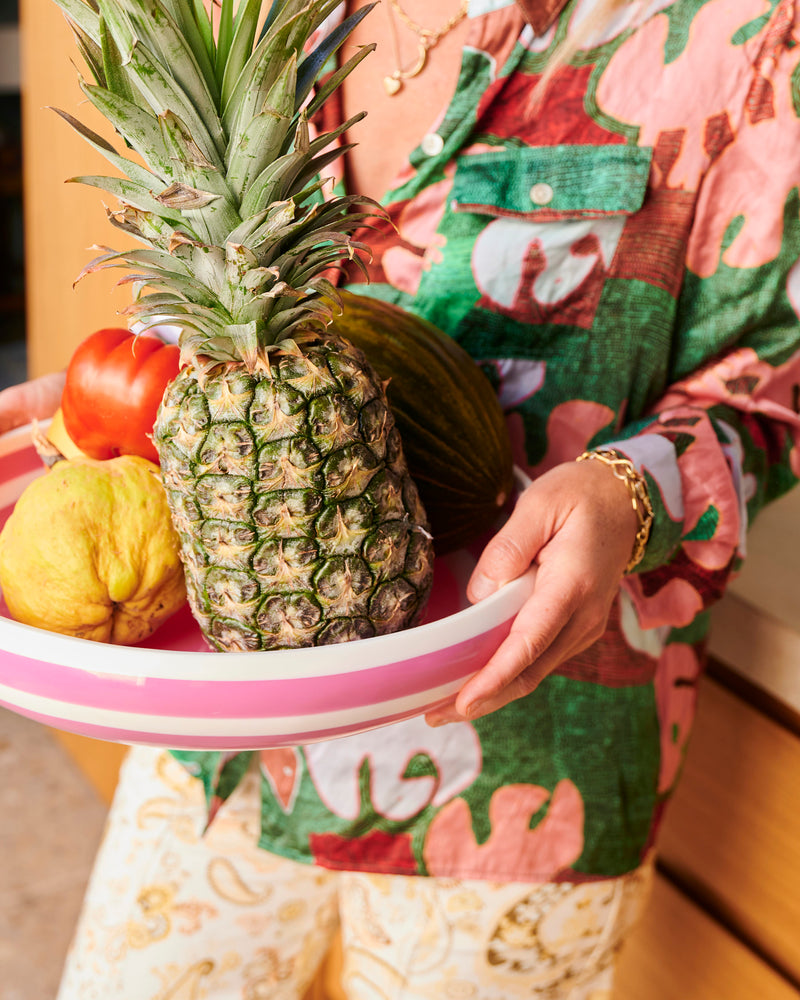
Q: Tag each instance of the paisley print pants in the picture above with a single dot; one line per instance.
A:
(173, 915)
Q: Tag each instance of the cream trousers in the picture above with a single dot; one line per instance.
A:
(171, 915)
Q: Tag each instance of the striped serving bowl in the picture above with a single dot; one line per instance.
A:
(173, 691)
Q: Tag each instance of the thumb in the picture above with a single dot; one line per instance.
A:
(13, 407)
(509, 554)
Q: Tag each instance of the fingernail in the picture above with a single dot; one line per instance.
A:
(481, 587)
(475, 708)
(434, 722)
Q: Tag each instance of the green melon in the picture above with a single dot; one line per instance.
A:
(450, 421)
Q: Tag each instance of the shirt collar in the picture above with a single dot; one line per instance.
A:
(540, 14)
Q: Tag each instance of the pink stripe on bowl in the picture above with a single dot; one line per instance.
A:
(19, 463)
(244, 699)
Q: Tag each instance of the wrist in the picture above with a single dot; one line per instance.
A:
(636, 486)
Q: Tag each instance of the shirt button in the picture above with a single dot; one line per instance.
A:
(432, 144)
(541, 194)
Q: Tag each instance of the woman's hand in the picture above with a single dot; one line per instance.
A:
(36, 399)
(577, 523)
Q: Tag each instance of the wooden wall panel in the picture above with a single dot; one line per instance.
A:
(679, 953)
(759, 648)
(61, 220)
(99, 761)
(756, 627)
(770, 579)
(732, 833)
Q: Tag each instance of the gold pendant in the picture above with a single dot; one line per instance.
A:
(394, 83)
(422, 58)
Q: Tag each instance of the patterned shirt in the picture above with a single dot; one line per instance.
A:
(622, 260)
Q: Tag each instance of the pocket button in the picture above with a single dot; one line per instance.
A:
(541, 193)
(432, 144)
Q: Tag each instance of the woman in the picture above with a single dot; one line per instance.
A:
(605, 214)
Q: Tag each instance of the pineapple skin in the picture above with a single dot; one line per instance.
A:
(298, 520)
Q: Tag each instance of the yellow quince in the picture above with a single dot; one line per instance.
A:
(57, 435)
(90, 551)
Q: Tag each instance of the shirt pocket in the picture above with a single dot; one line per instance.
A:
(552, 183)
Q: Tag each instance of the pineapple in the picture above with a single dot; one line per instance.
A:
(298, 520)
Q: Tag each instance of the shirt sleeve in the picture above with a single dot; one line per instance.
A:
(723, 440)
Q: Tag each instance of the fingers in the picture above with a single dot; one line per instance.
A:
(38, 398)
(46, 395)
(446, 712)
(577, 525)
(13, 408)
(561, 619)
(540, 621)
(556, 621)
(473, 702)
(574, 639)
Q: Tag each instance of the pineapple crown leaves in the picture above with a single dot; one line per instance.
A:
(274, 277)
(220, 177)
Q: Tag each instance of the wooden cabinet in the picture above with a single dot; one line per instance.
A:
(61, 222)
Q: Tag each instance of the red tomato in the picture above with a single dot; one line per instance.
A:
(114, 385)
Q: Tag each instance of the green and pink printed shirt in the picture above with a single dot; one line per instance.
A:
(622, 261)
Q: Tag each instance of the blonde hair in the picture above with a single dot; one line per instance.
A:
(600, 16)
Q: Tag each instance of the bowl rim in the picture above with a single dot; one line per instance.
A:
(136, 661)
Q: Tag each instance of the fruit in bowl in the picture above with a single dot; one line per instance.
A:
(90, 551)
(170, 690)
(114, 384)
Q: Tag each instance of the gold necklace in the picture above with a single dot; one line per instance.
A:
(427, 39)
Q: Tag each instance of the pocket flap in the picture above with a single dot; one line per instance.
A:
(555, 182)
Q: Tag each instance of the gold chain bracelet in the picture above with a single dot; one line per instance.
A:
(626, 471)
